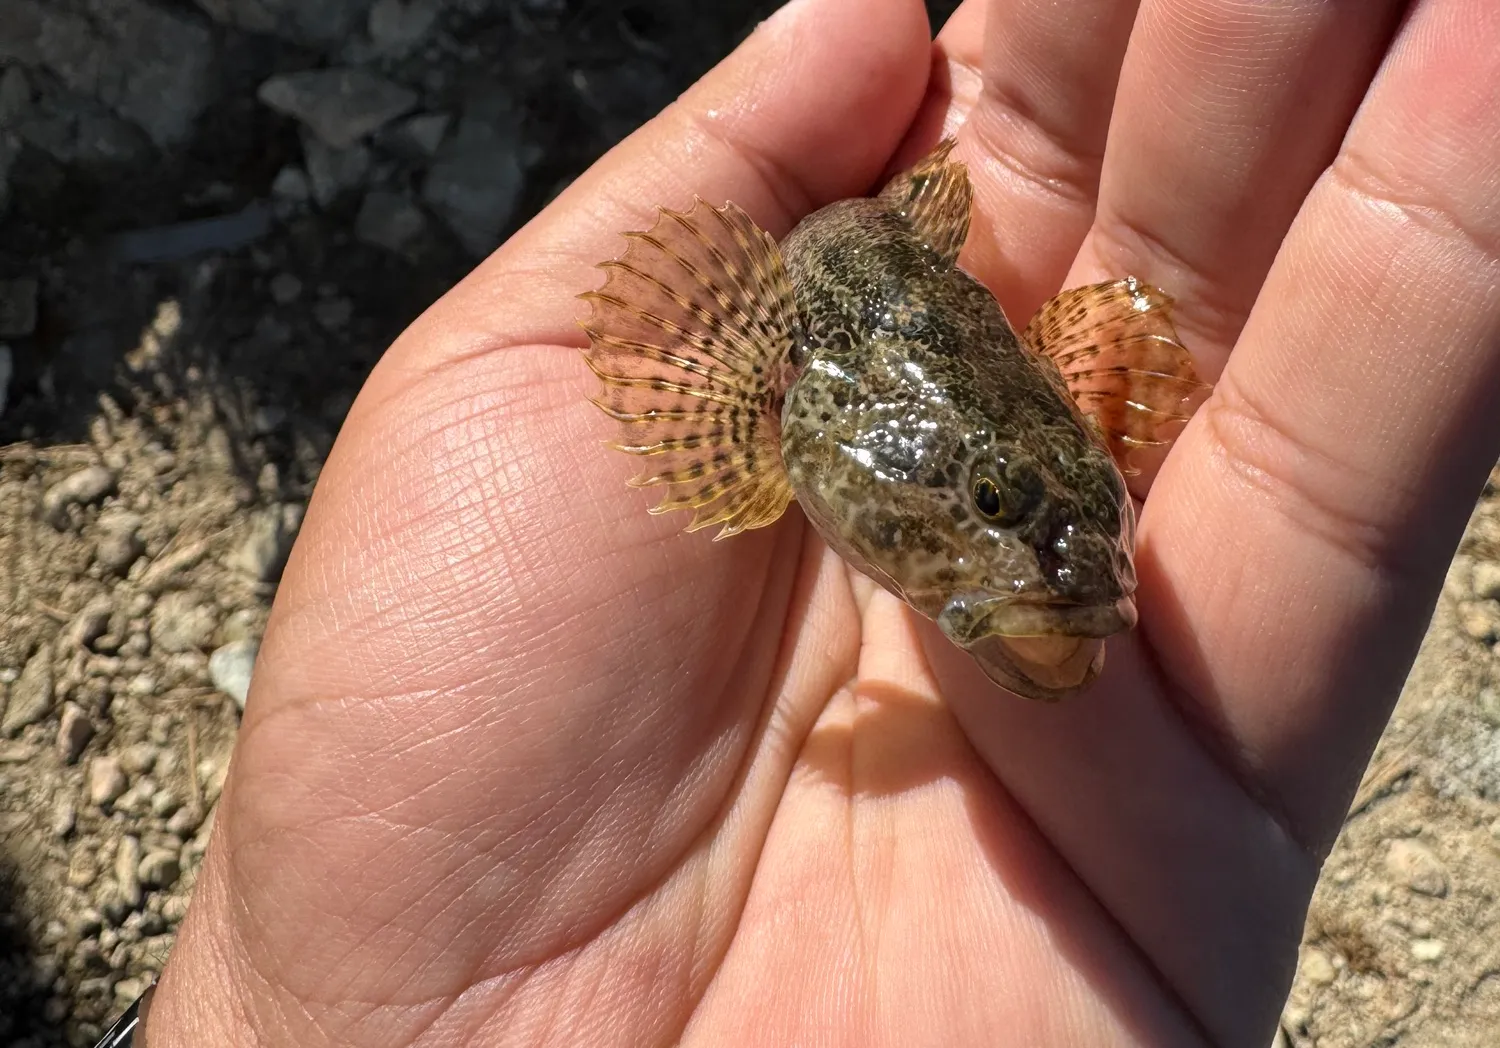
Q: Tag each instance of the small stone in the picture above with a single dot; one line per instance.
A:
(18, 307)
(211, 774)
(1486, 580)
(114, 906)
(1317, 968)
(91, 623)
(16, 752)
(389, 220)
(285, 288)
(165, 803)
(88, 923)
(31, 695)
(64, 818)
(128, 990)
(417, 137)
(242, 624)
(230, 667)
(86, 486)
(181, 621)
(395, 27)
(184, 821)
(1415, 866)
(334, 313)
(106, 780)
(262, 553)
(74, 730)
(82, 869)
(119, 546)
(1426, 950)
(1480, 619)
(139, 758)
(116, 551)
(340, 105)
(137, 799)
(127, 863)
(174, 909)
(159, 869)
(291, 185)
(333, 172)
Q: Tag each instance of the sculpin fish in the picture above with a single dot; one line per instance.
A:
(977, 474)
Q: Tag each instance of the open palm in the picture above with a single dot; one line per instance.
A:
(524, 765)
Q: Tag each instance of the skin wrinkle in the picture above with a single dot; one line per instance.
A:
(1355, 172)
(1256, 446)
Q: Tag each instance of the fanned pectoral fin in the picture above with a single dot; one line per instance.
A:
(690, 334)
(1119, 354)
(935, 196)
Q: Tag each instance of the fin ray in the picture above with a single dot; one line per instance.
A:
(1118, 353)
(936, 197)
(690, 336)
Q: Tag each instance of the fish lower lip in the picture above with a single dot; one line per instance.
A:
(1040, 651)
(970, 619)
(1043, 668)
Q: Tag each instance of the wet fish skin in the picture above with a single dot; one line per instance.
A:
(914, 385)
(972, 471)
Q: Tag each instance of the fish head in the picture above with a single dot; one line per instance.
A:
(1042, 533)
(1011, 529)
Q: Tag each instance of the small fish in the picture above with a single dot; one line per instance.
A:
(976, 474)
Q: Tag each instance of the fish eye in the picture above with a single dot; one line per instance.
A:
(987, 497)
(1004, 496)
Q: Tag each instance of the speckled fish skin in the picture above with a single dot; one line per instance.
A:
(856, 368)
(914, 385)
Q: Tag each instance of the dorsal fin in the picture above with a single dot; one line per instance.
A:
(1119, 354)
(935, 197)
(690, 334)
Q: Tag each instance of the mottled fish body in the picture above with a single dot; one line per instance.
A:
(971, 471)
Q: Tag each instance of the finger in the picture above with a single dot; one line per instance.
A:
(491, 686)
(1226, 113)
(1310, 514)
(1034, 138)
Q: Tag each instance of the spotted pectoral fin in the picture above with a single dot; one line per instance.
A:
(1119, 354)
(690, 334)
(935, 197)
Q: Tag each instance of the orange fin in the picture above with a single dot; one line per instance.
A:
(1119, 354)
(935, 197)
(690, 334)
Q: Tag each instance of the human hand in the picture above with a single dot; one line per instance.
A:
(524, 765)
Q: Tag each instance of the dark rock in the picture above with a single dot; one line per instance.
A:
(476, 181)
(389, 220)
(333, 172)
(150, 65)
(340, 106)
(314, 22)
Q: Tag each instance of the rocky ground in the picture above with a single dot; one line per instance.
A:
(214, 215)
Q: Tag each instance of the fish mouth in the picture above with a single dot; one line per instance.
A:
(1037, 650)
